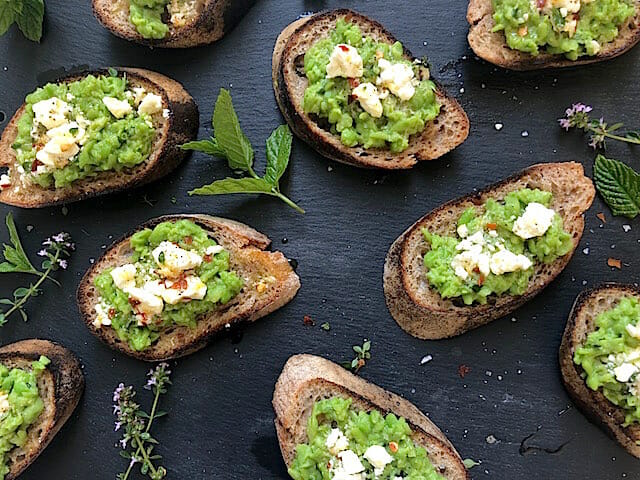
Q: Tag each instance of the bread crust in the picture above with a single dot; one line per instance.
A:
(215, 19)
(492, 46)
(419, 309)
(60, 386)
(248, 257)
(439, 137)
(307, 378)
(588, 305)
(180, 127)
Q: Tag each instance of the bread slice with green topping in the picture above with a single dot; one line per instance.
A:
(492, 46)
(582, 321)
(177, 123)
(60, 387)
(421, 311)
(307, 379)
(268, 278)
(191, 23)
(440, 136)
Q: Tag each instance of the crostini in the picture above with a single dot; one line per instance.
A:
(349, 89)
(40, 386)
(94, 133)
(523, 35)
(170, 23)
(333, 424)
(600, 360)
(166, 290)
(478, 258)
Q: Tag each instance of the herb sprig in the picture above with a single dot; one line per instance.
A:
(232, 144)
(363, 354)
(27, 14)
(599, 131)
(56, 250)
(136, 443)
(619, 186)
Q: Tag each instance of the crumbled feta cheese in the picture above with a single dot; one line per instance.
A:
(4, 403)
(214, 250)
(174, 260)
(471, 257)
(624, 372)
(368, 96)
(182, 12)
(118, 108)
(463, 231)
(398, 78)
(5, 181)
(166, 113)
(336, 441)
(145, 303)
(188, 288)
(351, 464)
(378, 457)
(595, 45)
(138, 95)
(102, 314)
(505, 261)
(150, 104)
(58, 151)
(124, 277)
(345, 61)
(633, 330)
(51, 113)
(534, 222)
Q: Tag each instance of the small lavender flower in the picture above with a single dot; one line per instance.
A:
(43, 253)
(578, 116)
(63, 264)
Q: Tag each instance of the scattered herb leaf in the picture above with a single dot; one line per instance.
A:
(363, 354)
(28, 15)
(619, 186)
(325, 326)
(470, 463)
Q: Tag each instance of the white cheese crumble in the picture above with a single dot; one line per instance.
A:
(398, 78)
(369, 97)
(5, 181)
(214, 250)
(102, 314)
(336, 441)
(350, 464)
(189, 288)
(534, 222)
(471, 256)
(345, 61)
(505, 261)
(150, 104)
(378, 457)
(51, 113)
(4, 403)
(124, 277)
(173, 260)
(117, 108)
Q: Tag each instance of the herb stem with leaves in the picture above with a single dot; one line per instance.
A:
(599, 131)
(230, 142)
(363, 354)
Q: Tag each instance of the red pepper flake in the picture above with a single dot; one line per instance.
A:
(112, 313)
(463, 370)
(35, 165)
(354, 82)
(134, 302)
(352, 98)
(492, 226)
(308, 321)
(614, 263)
(180, 284)
(481, 280)
(602, 218)
(393, 446)
(207, 258)
(344, 48)
(542, 3)
(188, 240)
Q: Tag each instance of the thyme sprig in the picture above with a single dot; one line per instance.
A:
(363, 354)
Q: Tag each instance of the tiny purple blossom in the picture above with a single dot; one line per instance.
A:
(43, 253)
(63, 264)
(61, 237)
(565, 123)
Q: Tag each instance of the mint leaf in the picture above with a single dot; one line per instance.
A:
(30, 19)
(16, 259)
(7, 15)
(619, 185)
(231, 139)
(278, 153)
(234, 185)
(210, 147)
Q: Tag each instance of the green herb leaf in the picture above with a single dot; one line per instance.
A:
(230, 137)
(325, 326)
(234, 185)
(30, 19)
(278, 153)
(7, 15)
(16, 259)
(470, 463)
(210, 147)
(619, 186)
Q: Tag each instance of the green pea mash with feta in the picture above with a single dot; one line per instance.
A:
(71, 131)
(20, 407)
(177, 273)
(573, 28)
(495, 251)
(147, 16)
(610, 357)
(369, 94)
(346, 444)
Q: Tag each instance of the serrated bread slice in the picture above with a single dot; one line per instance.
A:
(60, 387)
(421, 311)
(180, 127)
(492, 46)
(249, 259)
(440, 136)
(582, 318)
(306, 379)
(206, 21)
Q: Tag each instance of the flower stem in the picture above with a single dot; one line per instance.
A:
(622, 139)
(145, 455)
(288, 202)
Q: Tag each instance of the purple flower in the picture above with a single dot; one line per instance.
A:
(60, 238)
(117, 392)
(123, 443)
(565, 123)
(118, 426)
(63, 264)
(43, 253)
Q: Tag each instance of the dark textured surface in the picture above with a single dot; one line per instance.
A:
(220, 425)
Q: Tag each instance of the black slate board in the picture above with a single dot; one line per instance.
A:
(510, 411)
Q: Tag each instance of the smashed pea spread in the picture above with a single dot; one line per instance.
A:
(610, 357)
(573, 28)
(177, 273)
(148, 16)
(347, 444)
(72, 131)
(20, 407)
(367, 92)
(496, 247)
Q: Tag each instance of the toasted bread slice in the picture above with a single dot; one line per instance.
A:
(180, 127)
(492, 46)
(440, 136)
(421, 311)
(306, 379)
(586, 308)
(207, 21)
(248, 258)
(60, 387)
